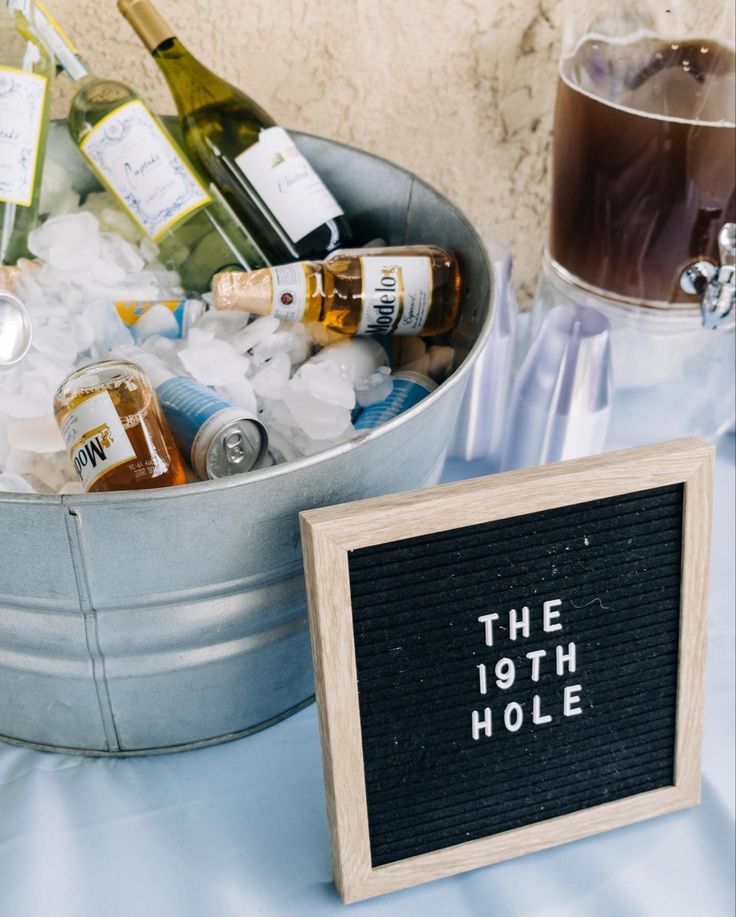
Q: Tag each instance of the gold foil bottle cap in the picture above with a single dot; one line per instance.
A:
(9, 276)
(245, 292)
(143, 16)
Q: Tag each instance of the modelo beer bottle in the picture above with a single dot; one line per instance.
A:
(114, 429)
(408, 290)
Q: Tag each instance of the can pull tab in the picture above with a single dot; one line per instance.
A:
(234, 451)
(716, 286)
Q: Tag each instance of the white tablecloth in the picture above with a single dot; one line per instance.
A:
(241, 829)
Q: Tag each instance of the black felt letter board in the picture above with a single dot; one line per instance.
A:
(609, 571)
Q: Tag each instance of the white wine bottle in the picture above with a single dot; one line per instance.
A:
(265, 179)
(26, 71)
(139, 162)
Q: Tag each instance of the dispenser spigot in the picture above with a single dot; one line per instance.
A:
(716, 286)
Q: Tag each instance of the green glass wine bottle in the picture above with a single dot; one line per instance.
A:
(26, 71)
(267, 181)
(139, 162)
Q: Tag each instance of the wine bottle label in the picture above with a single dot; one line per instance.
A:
(96, 439)
(22, 105)
(289, 297)
(143, 168)
(287, 184)
(396, 294)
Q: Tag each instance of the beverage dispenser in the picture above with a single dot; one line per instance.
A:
(643, 206)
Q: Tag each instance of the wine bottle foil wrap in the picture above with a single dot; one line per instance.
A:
(480, 424)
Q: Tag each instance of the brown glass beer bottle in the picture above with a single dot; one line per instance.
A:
(114, 429)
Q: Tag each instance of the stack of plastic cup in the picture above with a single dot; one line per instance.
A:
(562, 397)
(480, 424)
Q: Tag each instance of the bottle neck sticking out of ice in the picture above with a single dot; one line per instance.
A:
(138, 161)
(263, 175)
(409, 290)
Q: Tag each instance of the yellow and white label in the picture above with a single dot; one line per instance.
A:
(143, 168)
(22, 110)
(396, 294)
(287, 184)
(289, 297)
(96, 439)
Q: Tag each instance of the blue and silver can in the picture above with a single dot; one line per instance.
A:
(217, 437)
(408, 389)
(185, 312)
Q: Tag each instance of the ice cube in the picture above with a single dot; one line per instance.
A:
(240, 391)
(277, 343)
(31, 401)
(83, 331)
(109, 215)
(254, 333)
(73, 233)
(72, 487)
(10, 482)
(328, 383)
(302, 343)
(376, 388)
(317, 418)
(158, 320)
(21, 461)
(110, 330)
(213, 363)
(222, 324)
(120, 252)
(358, 357)
(47, 369)
(50, 473)
(112, 219)
(36, 434)
(162, 347)
(54, 338)
(200, 337)
(270, 380)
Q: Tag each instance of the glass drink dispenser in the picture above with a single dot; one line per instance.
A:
(643, 206)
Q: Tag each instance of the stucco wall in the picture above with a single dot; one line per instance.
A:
(458, 91)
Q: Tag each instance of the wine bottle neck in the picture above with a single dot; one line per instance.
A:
(148, 23)
(192, 85)
(59, 43)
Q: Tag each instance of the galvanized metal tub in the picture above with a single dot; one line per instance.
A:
(154, 621)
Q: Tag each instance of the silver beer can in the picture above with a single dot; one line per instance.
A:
(217, 437)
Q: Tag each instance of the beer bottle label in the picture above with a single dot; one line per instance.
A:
(143, 168)
(22, 106)
(287, 184)
(289, 296)
(96, 439)
(396, 293)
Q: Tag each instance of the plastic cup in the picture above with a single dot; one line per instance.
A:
(563, 393)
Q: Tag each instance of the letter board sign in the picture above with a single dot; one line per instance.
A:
(510, 662)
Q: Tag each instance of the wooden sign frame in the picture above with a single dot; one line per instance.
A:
(329, 535)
